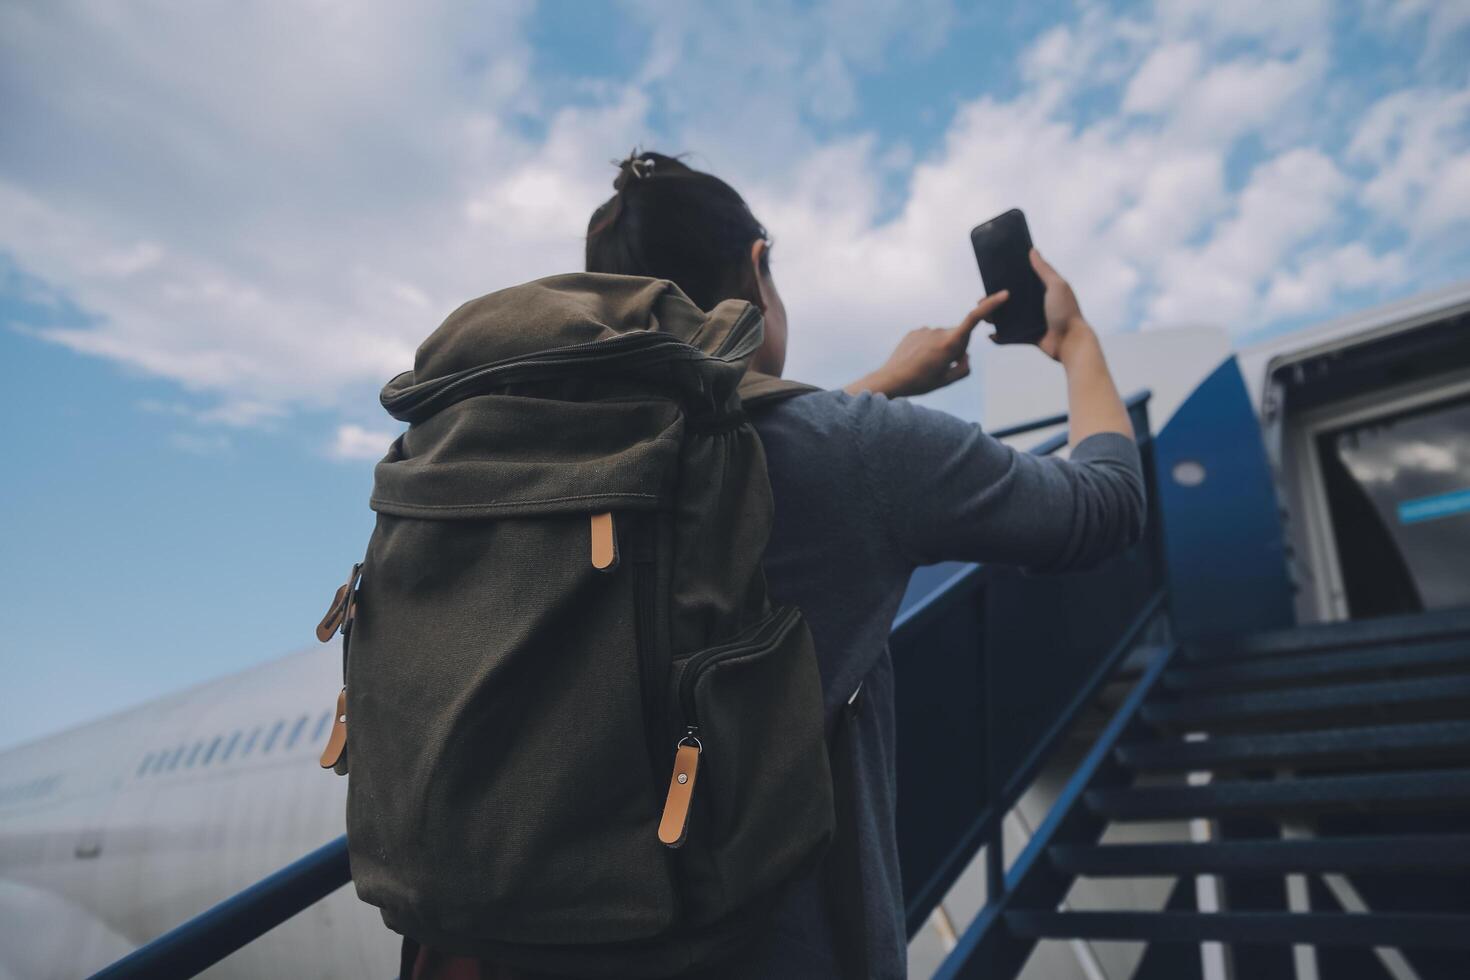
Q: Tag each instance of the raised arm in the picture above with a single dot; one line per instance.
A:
(1093, 404)
(949, 491)
(946, 491)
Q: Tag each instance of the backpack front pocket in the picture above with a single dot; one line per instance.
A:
(761, 800)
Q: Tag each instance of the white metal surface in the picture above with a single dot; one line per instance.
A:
(103, 857)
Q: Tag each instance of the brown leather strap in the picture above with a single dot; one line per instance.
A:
(333, 618)
(337, 740)
(842, 870)
(341, 607)
(675, 823)
(604, 542)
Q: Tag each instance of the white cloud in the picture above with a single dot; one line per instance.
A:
(1288, 199)
(354, 442)
(273, 205)
(1418, 142)
(201, 443)
(1281, 26)
(1245, 94)
(1163, 77)
(258, 202)
(1287, 202)
(1099, 48)
(1351, 268)
(1443, 21)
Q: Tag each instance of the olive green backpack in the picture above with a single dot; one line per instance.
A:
(582, 740)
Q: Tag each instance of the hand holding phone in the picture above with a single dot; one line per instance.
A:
(1003, 250)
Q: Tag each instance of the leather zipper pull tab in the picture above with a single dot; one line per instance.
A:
(337, 612)
(604, 542)
(674, 826)
(337, 741)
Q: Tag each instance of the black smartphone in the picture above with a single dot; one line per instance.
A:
(1003, 249)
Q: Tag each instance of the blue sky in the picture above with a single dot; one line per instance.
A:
(223, 226)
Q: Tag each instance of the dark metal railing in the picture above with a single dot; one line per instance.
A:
(1021, 428)
(1049, 643)
(209, 937)
(1135, 403)
(975, 953)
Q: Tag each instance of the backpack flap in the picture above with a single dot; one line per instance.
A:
(561, 333)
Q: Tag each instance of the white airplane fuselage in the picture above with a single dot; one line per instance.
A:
(115, 832)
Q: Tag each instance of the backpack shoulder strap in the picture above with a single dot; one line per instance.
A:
(842, 868)
(759, 390)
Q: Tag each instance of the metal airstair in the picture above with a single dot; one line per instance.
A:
(1350, 740)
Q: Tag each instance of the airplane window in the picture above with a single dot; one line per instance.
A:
(230, 747)
(321, 726)
(159, 763)
(194, 754)
(143, 766)
(1398, 489)
(173, 760)
(296, 730)
(34, 789)
(212, 746)
(270, 739)
(250, 742)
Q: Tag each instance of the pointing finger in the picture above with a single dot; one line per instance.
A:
(983, 309)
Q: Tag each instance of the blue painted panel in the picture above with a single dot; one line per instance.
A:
(1430, 508)
(1223, 543)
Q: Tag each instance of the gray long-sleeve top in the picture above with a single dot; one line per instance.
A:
(866, 489)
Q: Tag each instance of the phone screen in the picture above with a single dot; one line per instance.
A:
(1003, 250)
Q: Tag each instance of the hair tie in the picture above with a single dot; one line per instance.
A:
(633, 167)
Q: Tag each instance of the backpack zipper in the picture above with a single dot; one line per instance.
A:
(775, 628)
(644, 635)
(673, 827)
(405, 406)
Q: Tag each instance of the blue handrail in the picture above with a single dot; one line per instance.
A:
(1004, 790)
(970, 958)
(200, 942)
(1134, 403)
(1021, 428)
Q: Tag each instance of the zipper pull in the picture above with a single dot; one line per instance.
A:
(604, 542)
(338, 612)
(334, 616)
(674, 826)
(337, 741)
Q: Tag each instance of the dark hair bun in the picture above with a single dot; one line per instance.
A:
(637, 166)
(679, 224)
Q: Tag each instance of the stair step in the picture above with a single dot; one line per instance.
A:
(1399, 658)
(1440, 789)
(1326, 636)
(1425, 696)
(1407, 931)
(1436, 742)
(1447, 854)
